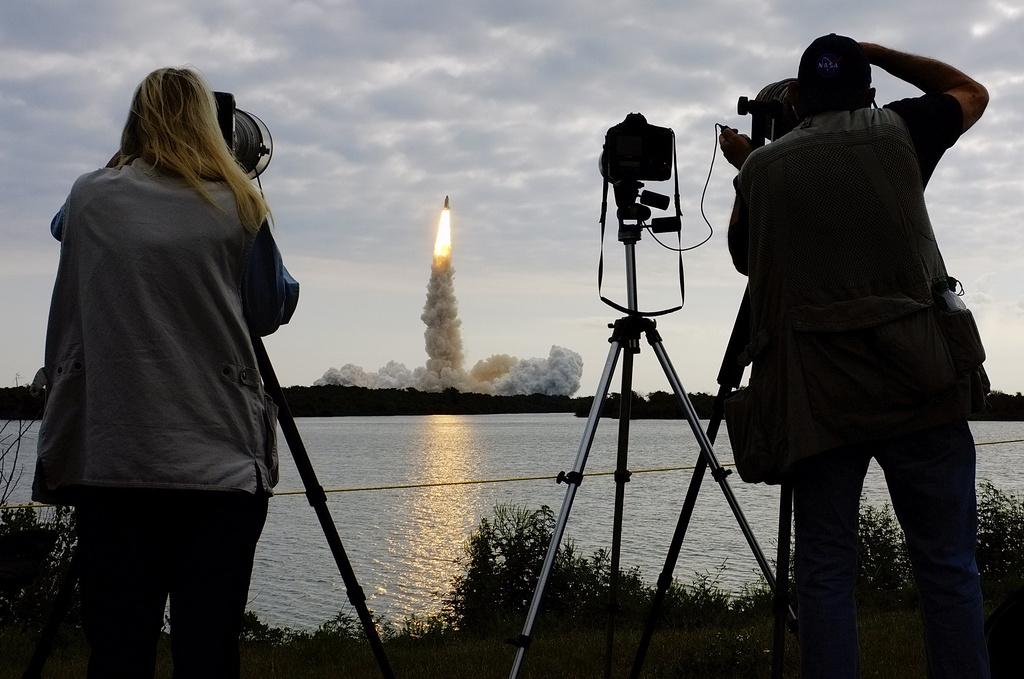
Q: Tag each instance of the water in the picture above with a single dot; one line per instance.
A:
(405, 544)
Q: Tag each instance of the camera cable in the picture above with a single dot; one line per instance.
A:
(703, 214)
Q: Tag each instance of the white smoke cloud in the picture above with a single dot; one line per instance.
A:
(394, 375)
(558, 374)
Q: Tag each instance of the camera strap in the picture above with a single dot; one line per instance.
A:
(679, 251)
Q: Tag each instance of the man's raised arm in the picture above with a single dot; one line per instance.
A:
(932, 77)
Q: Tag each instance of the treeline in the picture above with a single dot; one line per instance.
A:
(658, 405)
(333, 400)
(662, 405)
(1003, 407)
(16, 403)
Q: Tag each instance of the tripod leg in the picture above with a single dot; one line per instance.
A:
(621, 478)
(61, 605)
(665, 579)
(318, 500)
(708, 453)
(780, 600)
(573, 480)
(682, 524)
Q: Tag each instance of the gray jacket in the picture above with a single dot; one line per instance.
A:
(152, 379)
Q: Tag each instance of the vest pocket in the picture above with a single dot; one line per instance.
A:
(756, 459)
(62, 428)
(853, 378)
(962, 339)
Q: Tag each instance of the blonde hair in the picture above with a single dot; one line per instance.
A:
(172, 124)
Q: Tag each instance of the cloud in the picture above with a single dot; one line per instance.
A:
(380, 108)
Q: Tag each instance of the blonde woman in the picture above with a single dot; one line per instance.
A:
(157, 427)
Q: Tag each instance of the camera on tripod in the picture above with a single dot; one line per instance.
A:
(636, 151)
(246, 135)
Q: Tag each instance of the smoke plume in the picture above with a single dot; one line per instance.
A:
(444, 329)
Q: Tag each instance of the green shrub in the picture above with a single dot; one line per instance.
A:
(1000, 533)
(30, 605)
(884, 563)
(702, 603)
(256, 631)
(503, 559)
(882, 559)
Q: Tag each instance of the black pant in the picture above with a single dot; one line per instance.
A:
(139, 546)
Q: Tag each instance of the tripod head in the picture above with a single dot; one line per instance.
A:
(634, 205)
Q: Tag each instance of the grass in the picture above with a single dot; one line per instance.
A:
(890, 640)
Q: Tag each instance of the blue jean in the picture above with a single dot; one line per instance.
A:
(930, 475)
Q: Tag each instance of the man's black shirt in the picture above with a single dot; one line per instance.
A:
(935, 122)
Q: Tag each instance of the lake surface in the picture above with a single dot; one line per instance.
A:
(405, 544)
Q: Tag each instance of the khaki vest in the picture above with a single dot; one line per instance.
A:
(845, 344)
(152, 375)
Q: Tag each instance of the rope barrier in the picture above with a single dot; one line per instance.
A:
(470, 482)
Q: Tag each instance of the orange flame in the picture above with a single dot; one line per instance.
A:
(443, 244)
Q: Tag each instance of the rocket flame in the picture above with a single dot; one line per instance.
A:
(443, 244)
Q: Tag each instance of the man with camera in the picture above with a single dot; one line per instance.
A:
(859, 348)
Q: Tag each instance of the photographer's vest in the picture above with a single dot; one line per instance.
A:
(845, 345)
(151, 371)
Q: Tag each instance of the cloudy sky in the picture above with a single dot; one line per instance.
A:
(379, 109)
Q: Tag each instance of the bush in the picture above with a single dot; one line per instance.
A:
(504, 556)
(503, 561)
(256, 631)
(883, 561)
(29, 604)
(702, 603)
(1000, 533)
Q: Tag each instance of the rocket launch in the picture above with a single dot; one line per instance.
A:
(559, 373)
(441, 313)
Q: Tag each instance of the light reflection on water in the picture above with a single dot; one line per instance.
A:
(404, 544)
(436, 517)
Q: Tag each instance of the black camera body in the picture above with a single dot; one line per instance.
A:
(245, 134)
(635, 150)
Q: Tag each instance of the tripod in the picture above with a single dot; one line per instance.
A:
(625, 342)
(317, 499)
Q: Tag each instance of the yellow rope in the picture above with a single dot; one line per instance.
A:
(470, 482)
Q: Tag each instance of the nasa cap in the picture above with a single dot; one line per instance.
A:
(834, 62)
